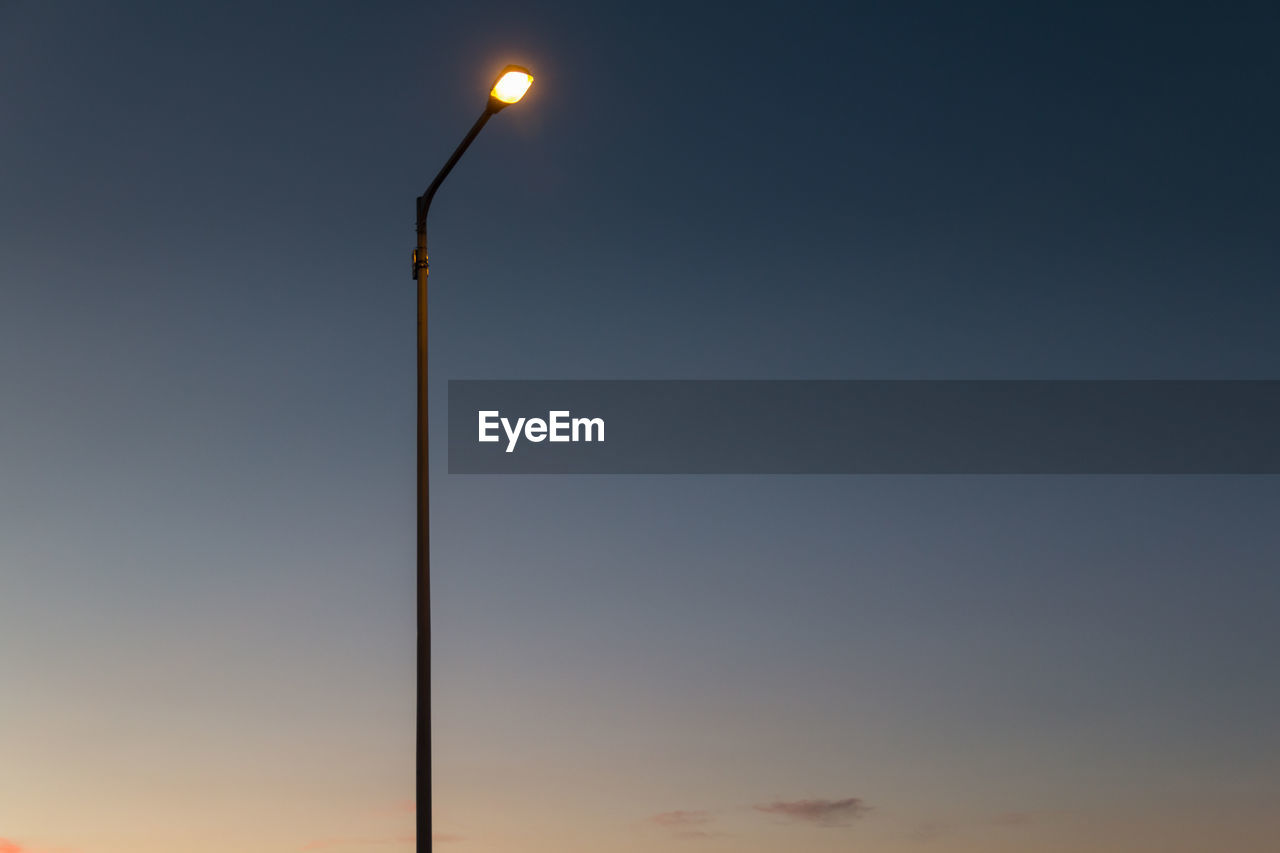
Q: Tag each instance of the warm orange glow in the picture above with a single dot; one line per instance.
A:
(511, 86)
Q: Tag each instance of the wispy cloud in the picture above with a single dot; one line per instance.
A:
(686, 825)
(681, 819)
(8, 845)
(929, 830)
(820, 812)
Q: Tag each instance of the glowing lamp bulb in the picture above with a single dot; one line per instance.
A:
(512, 85)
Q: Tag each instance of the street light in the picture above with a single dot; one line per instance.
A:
(508, 88)
(511, 85)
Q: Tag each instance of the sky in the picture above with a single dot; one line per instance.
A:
(207, 441)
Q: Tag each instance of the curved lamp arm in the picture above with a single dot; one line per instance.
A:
(424, 200)
(512, 83)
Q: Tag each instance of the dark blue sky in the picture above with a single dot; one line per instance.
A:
(206, 414)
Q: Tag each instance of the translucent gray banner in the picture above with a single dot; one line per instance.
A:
(864, 427)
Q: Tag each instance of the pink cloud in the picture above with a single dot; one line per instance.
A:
(823, 812)
(7, 846)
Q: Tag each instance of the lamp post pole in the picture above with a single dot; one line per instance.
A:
(509, 88)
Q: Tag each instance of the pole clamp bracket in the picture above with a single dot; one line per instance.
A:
(419, 262)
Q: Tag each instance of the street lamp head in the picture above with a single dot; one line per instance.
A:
(510, 87)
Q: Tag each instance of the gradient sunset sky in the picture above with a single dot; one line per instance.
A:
(207, 427)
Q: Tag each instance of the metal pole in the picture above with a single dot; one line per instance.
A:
(423, 726)
(423, 734)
